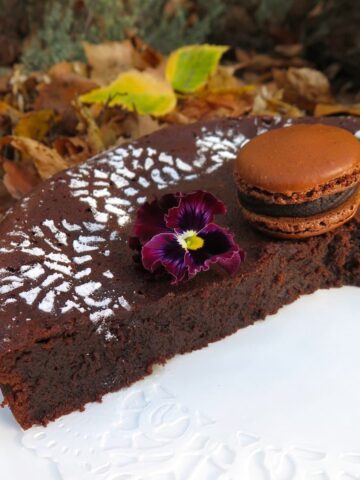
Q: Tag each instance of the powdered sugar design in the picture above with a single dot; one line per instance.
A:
(108, 274)
(56, 282)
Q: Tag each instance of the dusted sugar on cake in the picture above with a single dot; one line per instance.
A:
(79, 318)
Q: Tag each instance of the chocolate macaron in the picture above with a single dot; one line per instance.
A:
(299, 181)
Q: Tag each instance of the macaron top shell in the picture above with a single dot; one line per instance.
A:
(299, 158)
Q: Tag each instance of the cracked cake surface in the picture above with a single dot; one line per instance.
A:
(79, 318)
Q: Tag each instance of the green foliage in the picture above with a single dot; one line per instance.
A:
(63, 27)
(167, 34)
(273, 10)
(53, 42)
(105, 20)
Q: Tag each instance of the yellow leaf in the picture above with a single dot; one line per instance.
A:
(189, 68)
(136, 91)
(46, 160)
(35, 124)
(223, 81)
(9, 111)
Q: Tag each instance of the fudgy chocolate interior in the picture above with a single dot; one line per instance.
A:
(305, 209)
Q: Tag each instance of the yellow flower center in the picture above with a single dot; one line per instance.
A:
(190, 240)
(194, 242)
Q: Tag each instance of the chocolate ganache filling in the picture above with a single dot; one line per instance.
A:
(305, 209)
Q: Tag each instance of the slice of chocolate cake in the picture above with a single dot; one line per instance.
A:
(80, 318)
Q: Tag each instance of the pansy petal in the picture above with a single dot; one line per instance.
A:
(150, 218)
(219, 247)
(194, 212)
(232, 262)
(165, 250)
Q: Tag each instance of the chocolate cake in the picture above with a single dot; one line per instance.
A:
(80, 318)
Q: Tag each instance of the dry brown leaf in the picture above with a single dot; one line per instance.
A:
(177, 118)
(146, 56)
(210, 105)
(5, 125)
(23, 87)
(309, 83)
(256, 62)
(271, 103)
(260, 62)
(336, 109)
(90, 127)
(58, 95)
(121, 126)
(115, 127)
(62, 89)
(35, 124)
(18, 180)
(242, 56)
(147, 125)
(109, 121)
(303, 87)
(4, 82)
(234, 104)
(224, 95)
(107, 60)
(8, 111)
(46, 160)
(192, 109)
(66, 68)
(223, 81)
(16, 83)
(26, 87)
(291, 50)
(72, 149)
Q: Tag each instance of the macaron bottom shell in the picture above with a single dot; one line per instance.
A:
(304, 227)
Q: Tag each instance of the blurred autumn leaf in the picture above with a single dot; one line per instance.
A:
(7, 110)
(303, 86)
(336, 109)
(107, 60)
(46, 160)
(72, 149)
(18, 180)
(189, 68)
(35, 124)
(136, 91)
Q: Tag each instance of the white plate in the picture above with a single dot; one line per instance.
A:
(277, 401)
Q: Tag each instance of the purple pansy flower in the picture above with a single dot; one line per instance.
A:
(177, 233)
